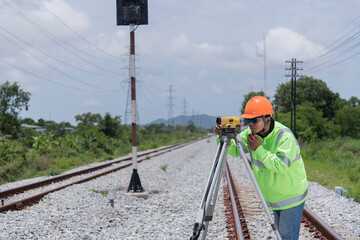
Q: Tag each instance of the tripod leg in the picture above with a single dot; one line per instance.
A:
(207, 205)
(251, 173)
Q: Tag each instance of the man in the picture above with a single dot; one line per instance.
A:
(277, 164)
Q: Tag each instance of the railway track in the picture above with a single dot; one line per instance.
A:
(244, 213)
(17, 198)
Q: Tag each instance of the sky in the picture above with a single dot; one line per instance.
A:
(193, 57)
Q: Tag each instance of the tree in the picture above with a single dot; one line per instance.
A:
(349, 119)
(87, 120)
(110, 126)
(248, 96)
(314, 91)
(29, 121)
(354, 101)
(12, 101)
(41, 122)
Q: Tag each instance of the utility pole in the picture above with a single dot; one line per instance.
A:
(293, 76)
(133, 12)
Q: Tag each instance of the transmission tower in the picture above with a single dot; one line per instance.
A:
(184, 110)
(293, 76)
(171, 105)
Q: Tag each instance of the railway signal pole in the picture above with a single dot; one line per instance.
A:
(293, 76)
(133, 12)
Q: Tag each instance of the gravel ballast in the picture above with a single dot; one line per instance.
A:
(175, 182)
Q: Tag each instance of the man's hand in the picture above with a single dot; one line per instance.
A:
(217, 129)
(254, 141)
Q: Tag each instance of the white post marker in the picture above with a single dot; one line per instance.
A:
(135, 188)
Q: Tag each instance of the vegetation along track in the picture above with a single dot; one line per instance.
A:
(242, 209)
(14, 199)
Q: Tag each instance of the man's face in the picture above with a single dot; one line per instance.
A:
(258, 126)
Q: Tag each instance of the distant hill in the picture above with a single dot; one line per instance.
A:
(203, 120)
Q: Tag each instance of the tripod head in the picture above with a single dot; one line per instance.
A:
(228, 126)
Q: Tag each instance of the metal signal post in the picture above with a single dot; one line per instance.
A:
(133, 12)
(135, 183)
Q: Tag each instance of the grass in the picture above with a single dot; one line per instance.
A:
(335, 163)
(163, 167)
(104, 193)
(22, 162)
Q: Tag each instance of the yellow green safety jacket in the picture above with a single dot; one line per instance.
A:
(278, 167)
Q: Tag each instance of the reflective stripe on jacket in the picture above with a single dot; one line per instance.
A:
(278, 167)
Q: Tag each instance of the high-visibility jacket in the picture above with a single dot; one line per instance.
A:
(278, 167)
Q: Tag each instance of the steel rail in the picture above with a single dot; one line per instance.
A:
(233, 202)
(321, 229)
(27, 187)
(18, 205)
(315, 224)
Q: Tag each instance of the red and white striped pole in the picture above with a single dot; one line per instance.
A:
(135, 183)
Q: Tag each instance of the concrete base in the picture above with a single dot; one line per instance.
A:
(144, 195)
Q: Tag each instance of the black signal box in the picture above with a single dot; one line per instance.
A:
(132, 12)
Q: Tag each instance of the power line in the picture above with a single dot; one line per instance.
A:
(338, 50)
(330, 45)
(56, 69)
(50, 81)
(59, 41)
(50, 56)
(78, 35)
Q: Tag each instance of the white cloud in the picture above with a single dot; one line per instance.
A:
(91, 103)
(217, 90)
(58, 9)
(35, 20)
(203, 73)
(26, 83)
(115, 44)
(283, 44)
(204, 54)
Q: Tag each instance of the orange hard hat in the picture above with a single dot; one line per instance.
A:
(257, 106)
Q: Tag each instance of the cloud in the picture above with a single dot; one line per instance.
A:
(54, 10)
(203, 54)
(91, 103)
(283, 44)
(203, 73)
(36, 20)
(116, 44)
(217, 90)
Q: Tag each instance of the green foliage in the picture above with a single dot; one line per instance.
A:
(104, 193)
(9, 125)
(310, 124)
(334, 163)
(164, 167)
(111, 126)
(56, 150)
(348, 118)
(87, 120)
(313, 91)
(12, 158)
(354, 101)
(27, 121)
(12, 101)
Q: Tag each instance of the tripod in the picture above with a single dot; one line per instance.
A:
(207, 206)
